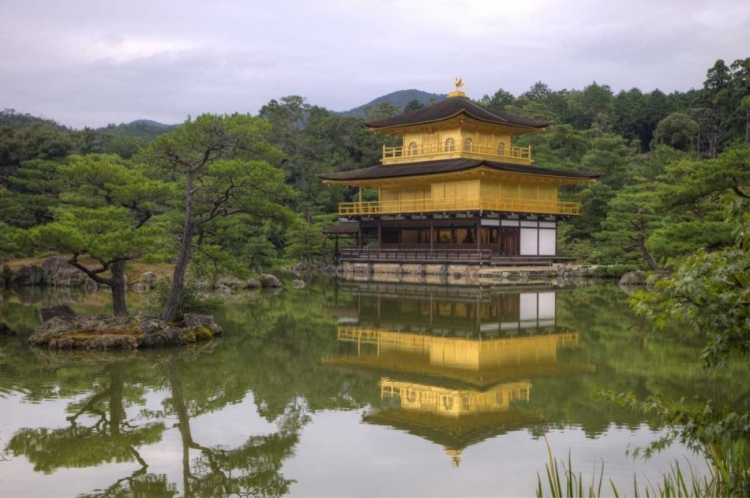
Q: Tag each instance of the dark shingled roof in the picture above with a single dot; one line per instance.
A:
(342, 228)
(453, 106)
(446, 166)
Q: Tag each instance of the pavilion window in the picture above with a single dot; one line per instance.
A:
(448, 402)
(465, 236)
(450, 144)
(501, 148)
(444, 236)
(413, 149)
(467, 144)
(489, 236)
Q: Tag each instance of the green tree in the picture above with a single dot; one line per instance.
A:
(222, 165)
(678, 130)
(498, 100)
(107, 217)
(305, 243)
(413, 105)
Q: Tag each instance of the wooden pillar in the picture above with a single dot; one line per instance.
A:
(380, 235)
(359, 237)
(432, 233)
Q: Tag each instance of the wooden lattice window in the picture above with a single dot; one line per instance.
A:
(413, 149)
(501, 148)
(467, 144)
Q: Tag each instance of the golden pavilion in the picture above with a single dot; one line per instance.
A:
(456, 189)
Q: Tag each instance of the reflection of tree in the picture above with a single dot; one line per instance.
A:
(111, 438)
(249, 470)
(105, 436)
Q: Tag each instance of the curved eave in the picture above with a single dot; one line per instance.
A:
(498, 122)
(382, 173)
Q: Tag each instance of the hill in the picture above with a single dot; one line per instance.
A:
(19, 121)
(141, 128)
(399, 98)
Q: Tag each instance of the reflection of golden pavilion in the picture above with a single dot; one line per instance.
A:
(454, 369)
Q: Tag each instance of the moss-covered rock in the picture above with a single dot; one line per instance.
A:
(122, 333)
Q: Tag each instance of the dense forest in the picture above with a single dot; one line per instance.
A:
(670, 164)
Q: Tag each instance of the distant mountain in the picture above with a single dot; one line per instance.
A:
(19, 121)
(141, 128)
(399, 98)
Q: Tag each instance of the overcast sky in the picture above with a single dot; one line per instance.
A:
(93, 62)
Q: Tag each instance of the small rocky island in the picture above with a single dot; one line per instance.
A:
(63, 329)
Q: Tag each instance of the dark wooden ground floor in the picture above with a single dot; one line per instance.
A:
(460, 240)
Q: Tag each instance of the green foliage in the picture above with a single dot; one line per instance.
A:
(191, 299)
(677, 130)
(305, 243)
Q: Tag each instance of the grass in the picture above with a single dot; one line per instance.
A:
(134, 269)
(729, 475)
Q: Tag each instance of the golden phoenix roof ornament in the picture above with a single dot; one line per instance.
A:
(457, 92)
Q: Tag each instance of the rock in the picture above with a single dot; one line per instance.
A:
(268, 280)
(223, 289)
(57, 311)
(252, 283)
(90, 286)
(149, 277)
(153, 325)
(633, 278)
(5, 330)
(231, 282)
(140, 288)
(58, 272)
(202, 285)
(298, 284)
(165, 337)
(194, 322)
(28, 275)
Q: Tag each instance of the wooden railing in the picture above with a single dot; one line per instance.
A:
(469, 255)
(508, 153)
(536, 206)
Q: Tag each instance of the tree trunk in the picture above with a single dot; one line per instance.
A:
(116, 406)
(172, 306)
(183, 419)
(647, 257)
(119, 291)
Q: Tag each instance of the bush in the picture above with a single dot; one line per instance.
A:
(615, 271)
(191, 300)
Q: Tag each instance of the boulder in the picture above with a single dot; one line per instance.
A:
(192, 322)
(5, 330)
(153, 325)
(268, 280)
(231, 282)
(59, 273)
(202, 285)
(298, 284)
(633, 278)
(28, 275)
(252, 283)
(57, 311)
(140, 288)
(163, 337)
(223, 289)
(90, 286)
(149, 277)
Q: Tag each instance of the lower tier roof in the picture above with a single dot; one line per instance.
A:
(447, 166)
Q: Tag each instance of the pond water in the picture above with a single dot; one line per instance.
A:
(349, 390)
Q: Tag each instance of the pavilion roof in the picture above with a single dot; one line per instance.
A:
(446, 166)
(453, 107)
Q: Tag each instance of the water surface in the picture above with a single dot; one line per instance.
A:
(366, 390)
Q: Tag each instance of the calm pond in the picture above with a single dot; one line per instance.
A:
(349, 390)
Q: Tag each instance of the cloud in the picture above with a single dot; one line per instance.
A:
(90, 63)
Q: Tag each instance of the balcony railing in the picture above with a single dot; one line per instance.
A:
(536, 206)
(456, 149)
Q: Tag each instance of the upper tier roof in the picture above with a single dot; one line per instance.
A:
(451, 107)
(446, 166)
